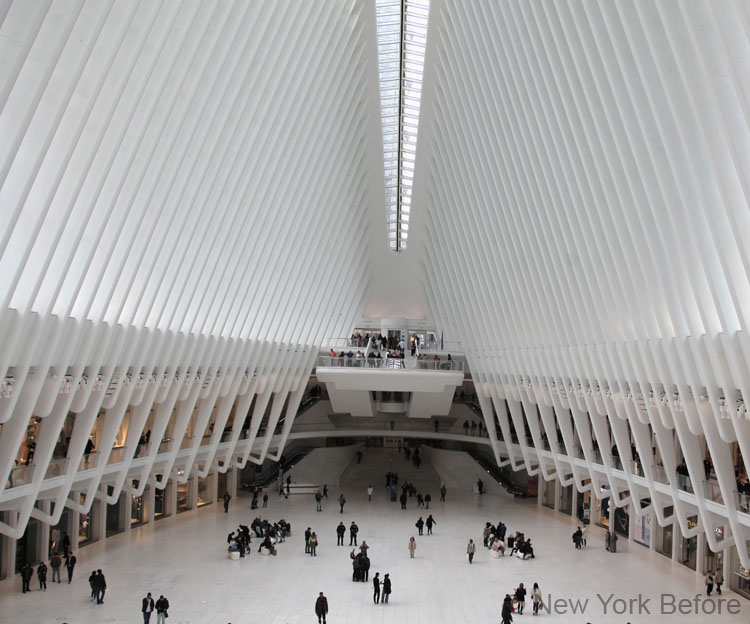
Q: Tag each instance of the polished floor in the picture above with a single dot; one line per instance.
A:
(185, 559)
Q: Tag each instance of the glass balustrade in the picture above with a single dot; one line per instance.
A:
(390, 363)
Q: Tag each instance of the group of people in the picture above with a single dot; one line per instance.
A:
(494, 539)
(98, 585)
(580, 537)
(311, 542)
(149, 605)
(516, 602)
(239, 541)
(56, 561)
(474, 426)
(269, 533)
(429, 523)
(360, 564)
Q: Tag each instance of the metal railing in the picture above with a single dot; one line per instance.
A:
(390, 363)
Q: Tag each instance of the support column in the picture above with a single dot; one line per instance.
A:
(149, 503)
(75, 522)
(700, 549)
(676, 537)
(126, 508)
(558, 489)
(232, 478)
(99, 530)
(171, 497)
(8, 562)
(43, 537)
(540, 492)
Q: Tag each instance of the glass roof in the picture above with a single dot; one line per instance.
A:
(402, 36)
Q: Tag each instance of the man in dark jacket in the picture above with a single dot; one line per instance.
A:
(353, 530)
(100, 584)
(376, 588)
(70, 563)
(161, 610)
(321, 608)
(340, 532)
(308, 533)
(26, 573)
(147, 608)
(430, 522)
(227, 498)
(41, 573)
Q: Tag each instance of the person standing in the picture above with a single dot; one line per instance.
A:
(403, 499)
(412, 546)
(709, 583)
(325, 491)
(227, 498)
(41, 574)
(70, 564)
(319, 500)
(308, 533)
(520, 598)
(536, 597)
(427, 500)
(92, 584)
(161, 610)
(430, 521)
(353, 530)
(289, 484)
(340, 532)
(420, 525)
(313, 543)
(101, 587)
(321, 608)
(507, 611)
(719, 580)
(55, 563)
(376, 588)
(369, 493)
(66, 544)
(26, 573)
(342, 502)
(265, 499)
(364, 548)
(480, 486)
(386, 588)
(147, 608)
(443, 491)
(470, 550)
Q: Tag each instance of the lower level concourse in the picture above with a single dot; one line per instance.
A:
(185, 558)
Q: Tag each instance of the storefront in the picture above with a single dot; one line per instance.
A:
(205, 491)
(602, 509)
(548, 493)
(688, 549)
(566, 499)
(222, 485)
(183, 496)
(161, 501)
(85, 524)
(115, 524)
(583, 507)
(642, 529)
(665, 536)
(28, 546)
(138, 507)
(622, 521)
(58, 532)
(713, 560)
(739, 577)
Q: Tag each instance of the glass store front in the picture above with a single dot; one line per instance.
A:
(161, 502)
(739, 577)
(205, 491)
(183, 496)
(689, 547)
(548, 493)
(85, 524)
(138, 507)
(665, 536)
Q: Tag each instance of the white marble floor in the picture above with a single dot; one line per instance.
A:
(185, 559)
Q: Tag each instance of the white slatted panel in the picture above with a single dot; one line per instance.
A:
(583, 176)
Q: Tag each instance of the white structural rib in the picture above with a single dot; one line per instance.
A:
(586, 228)
(184, 210)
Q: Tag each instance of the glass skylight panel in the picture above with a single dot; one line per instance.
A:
(402, 37)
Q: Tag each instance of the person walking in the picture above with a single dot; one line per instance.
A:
(386, 588)
(536, 598)
(520, 598)
(719, 580)
(100, 583)
(353, 530)
(470, 550)
(342, 502)
(147, 608)
(227, 498)
(403, 499)
(41, 574)
(480, 486)
(369, 493)
(321, 608)
(430, 522)
(340, 532)
(161, 610)
(443, 491)
(376, 588)
(70, 564)
(709, 582)
(420, 525)
(313, 543)
(92, 584)
(412, 546)
(26, 573)
(55, 563)
(427, 500)
(507, 611)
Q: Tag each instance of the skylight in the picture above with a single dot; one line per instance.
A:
(402, 36)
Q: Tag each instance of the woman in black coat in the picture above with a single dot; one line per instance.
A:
(386, 588)
(507, 614)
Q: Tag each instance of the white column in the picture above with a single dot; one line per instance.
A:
(126, 507)
(44, 532)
